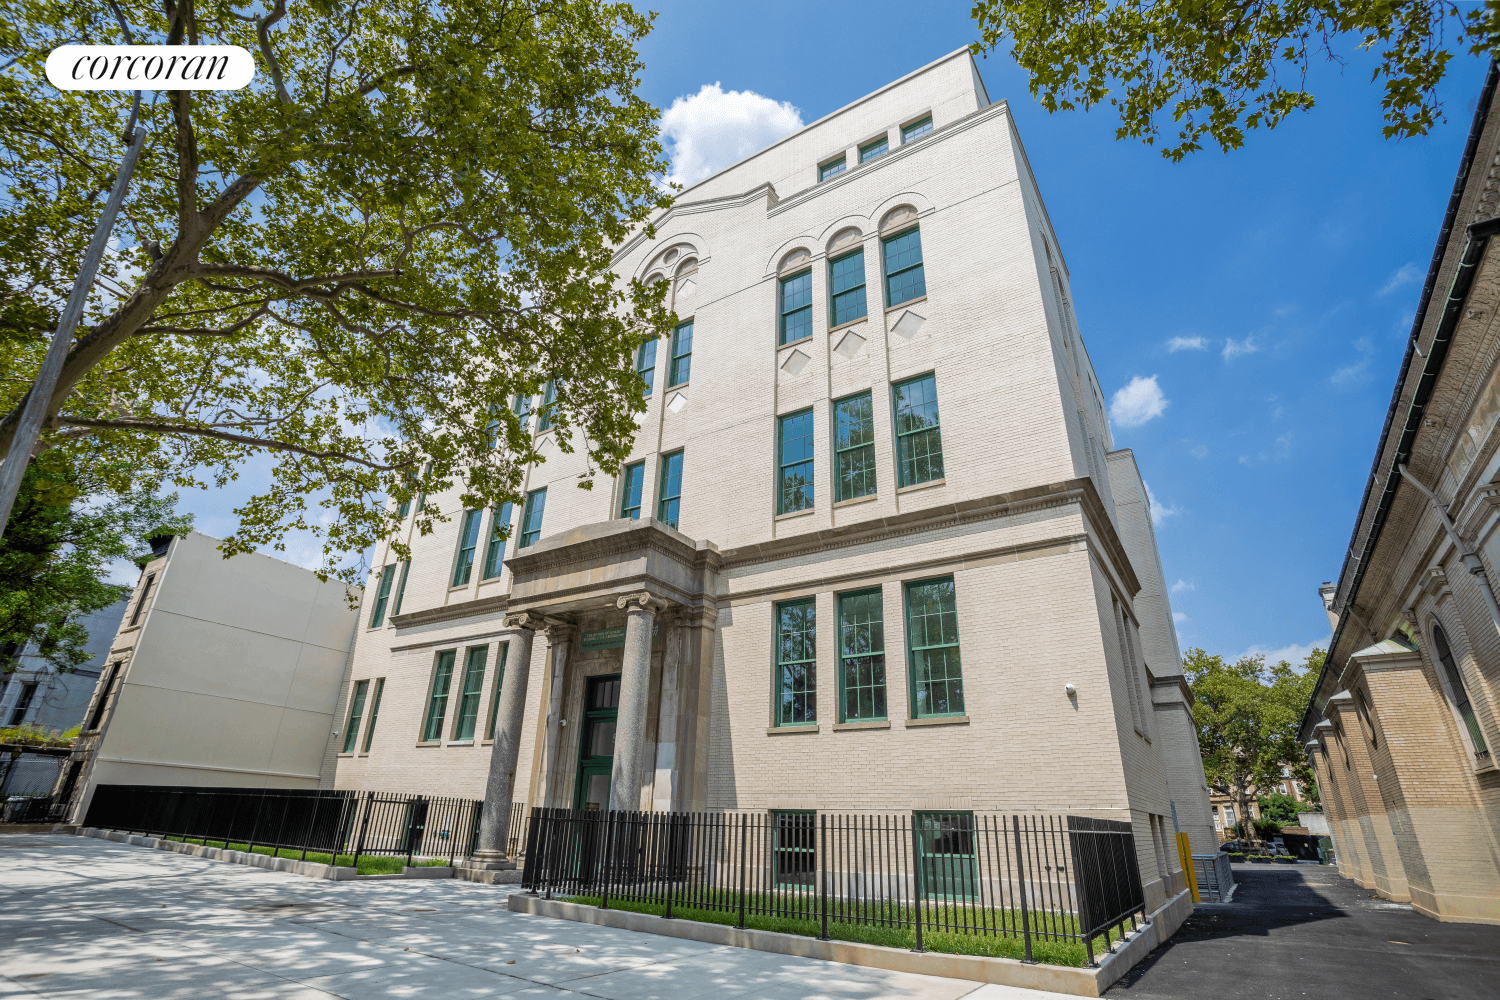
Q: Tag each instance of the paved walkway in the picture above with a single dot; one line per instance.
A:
(83, 918)
(1301, 931)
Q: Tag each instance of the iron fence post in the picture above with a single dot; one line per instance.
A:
(609, 840)
(916, 880)
(824, 888)
(1021, 886)
(364, 825)
(255, 827)
(312, 825)
(286, 804)
(744, 828)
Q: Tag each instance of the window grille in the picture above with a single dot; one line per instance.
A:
(796, 663)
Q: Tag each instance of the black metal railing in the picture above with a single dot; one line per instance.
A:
(33, 809)
(329, 821)
(1032, 878)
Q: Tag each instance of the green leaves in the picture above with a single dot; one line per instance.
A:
(1216, 67)
(350, 263)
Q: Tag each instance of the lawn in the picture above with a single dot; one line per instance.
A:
(369, 864)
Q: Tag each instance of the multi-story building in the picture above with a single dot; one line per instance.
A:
(224, 672)
(37, 694)
(873, 550)
(1224, 807)
(1402, 725)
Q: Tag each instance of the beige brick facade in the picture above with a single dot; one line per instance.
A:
(1044, 531)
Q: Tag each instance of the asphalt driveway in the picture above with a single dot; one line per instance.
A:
(1299, 931)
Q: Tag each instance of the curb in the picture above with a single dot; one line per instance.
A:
(1160, 925)
(309, 869)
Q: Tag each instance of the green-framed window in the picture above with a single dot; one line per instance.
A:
(437, 700)
(494, 552)
(904, 277)
(492, 429)
(382, 596)
(422, 494)
(473, 689)
(356, 715)
(645, 364)
(916, 129)
(468, 542)
(632, 482)
(861, 657)
(374, 713)
(682, 355)
(400, 588)
(949, 867)
(919, 438)
(1460, 692)
(874, 148)
(853, 447)
(489, 731)
(832, 168)
(549, 402)
(531, 518)
(846, 288)
(937, 683)
(794, 840)
(522, 407)
(794, 461)
(796, 663)
(796, 307)
(403, 508)
(669, 504)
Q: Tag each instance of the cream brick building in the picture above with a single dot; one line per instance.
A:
(873, 551)
(1402, 726)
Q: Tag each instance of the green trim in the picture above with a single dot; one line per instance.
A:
(948, 867)
(919, 436)
(795, 297)
(356, 712)
(468, 542)
(853, 447)
(796, 675)
(645, 364)
(631, 489)
(549, 402)
(861, 646)
(846, 288)
(681, 367)
(437, 700)
(473, 690)
(531, 519)
(794, 462)
(374, 712)
(922, 126)
(874, 148)
(905, 274)
(934, 666)
(669, 489)
(401, 589)
(494, 553)
(489, 732)
(832, 168)
(387, 575)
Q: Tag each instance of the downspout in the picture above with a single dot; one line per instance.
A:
(1466, 552)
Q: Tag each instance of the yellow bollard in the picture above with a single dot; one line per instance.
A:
(1185, 855)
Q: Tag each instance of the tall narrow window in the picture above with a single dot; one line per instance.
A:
(23, 705)
(549, 403)
(854, 447)
(682, 354)
(904, 277)
(356, 714)
(404, 507)
(916, 129)
(422, 494)
(492, 428)
(932, 639)
(877, 147)
(468, 702)
(796, 664)
(1459, 691)
(861, 656)
(832, 168)
(494, 553)
(846, 287)
(670, 494)
(437, 701)
(468, 541)
(794, 849)
(374, 713)
(97, 717)
(140, 605)
(489, 732)
(645, 364)
(522, 407)
(796, 307)
(382, 595)
(531, 519)
(631, 483)
(919, 441)
(794, 459)
(400, 589)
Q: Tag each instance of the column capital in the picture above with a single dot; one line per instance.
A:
(642, 600)
(559, 630)
(523, 620)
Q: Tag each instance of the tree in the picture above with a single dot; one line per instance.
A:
(1217, 65)
(69, 522)
(1247, 717)
(1281, 809)
(353, 264)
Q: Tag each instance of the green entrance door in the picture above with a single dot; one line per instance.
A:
(596, 753)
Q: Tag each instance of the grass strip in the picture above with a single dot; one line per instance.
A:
(369, 864)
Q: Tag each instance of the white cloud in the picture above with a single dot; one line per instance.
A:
(1187, 344)
(1200, 451)
(1159, 511)
(1182, 585)
(1355, 371)
(1137, 403)
(713, 129)
(1295, 654)
(1404, 275)
(1179, 617)
(1234, 348)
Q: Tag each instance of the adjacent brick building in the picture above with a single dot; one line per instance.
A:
(874, 549)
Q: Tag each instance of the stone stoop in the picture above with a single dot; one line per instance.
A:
(482, 876)
(1160, 925)
(308, 869)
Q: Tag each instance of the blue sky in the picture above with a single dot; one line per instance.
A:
(1285, 274)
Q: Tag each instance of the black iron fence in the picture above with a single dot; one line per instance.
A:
(332, 821)
(1032, 878)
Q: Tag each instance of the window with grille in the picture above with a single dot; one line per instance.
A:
(905, 278)
(794, 451)
(682, 355)
(356, 715)
(382, 596)
(489, 732)
(549, 403)
(473, 688)
(1459, 692)
(874, 148)
(645, 364)
(916, 129)
(919, 440)
(531, 520)
(494, 553)
(846, 288)
(468, 542)
(794, 839)
(854, 447)
(932, 639)
(796, 663)
(669, 504)
(374, 713)
(861, 657)
(632, 481)
(832, 168)
(437, 700)
(796, 307)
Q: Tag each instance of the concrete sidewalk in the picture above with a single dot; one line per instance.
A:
(82, 918)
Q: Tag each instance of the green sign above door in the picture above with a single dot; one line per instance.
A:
(611, 638)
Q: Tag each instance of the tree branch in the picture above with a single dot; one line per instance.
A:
(263, 35)
(162, 427)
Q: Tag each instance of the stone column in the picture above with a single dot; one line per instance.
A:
(628, 773)
(499, 789)
(559, 637)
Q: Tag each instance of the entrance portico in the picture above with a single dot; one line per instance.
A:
(626, 598)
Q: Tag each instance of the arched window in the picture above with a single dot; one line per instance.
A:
(1457, 691)
(1366, 719)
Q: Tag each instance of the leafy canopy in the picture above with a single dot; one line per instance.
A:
(1222, 67)
(353, 264)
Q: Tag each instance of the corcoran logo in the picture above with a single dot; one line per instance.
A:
(150, 67)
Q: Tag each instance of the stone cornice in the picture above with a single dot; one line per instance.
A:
(450, 612)
(648, 533)
(1177, 681)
